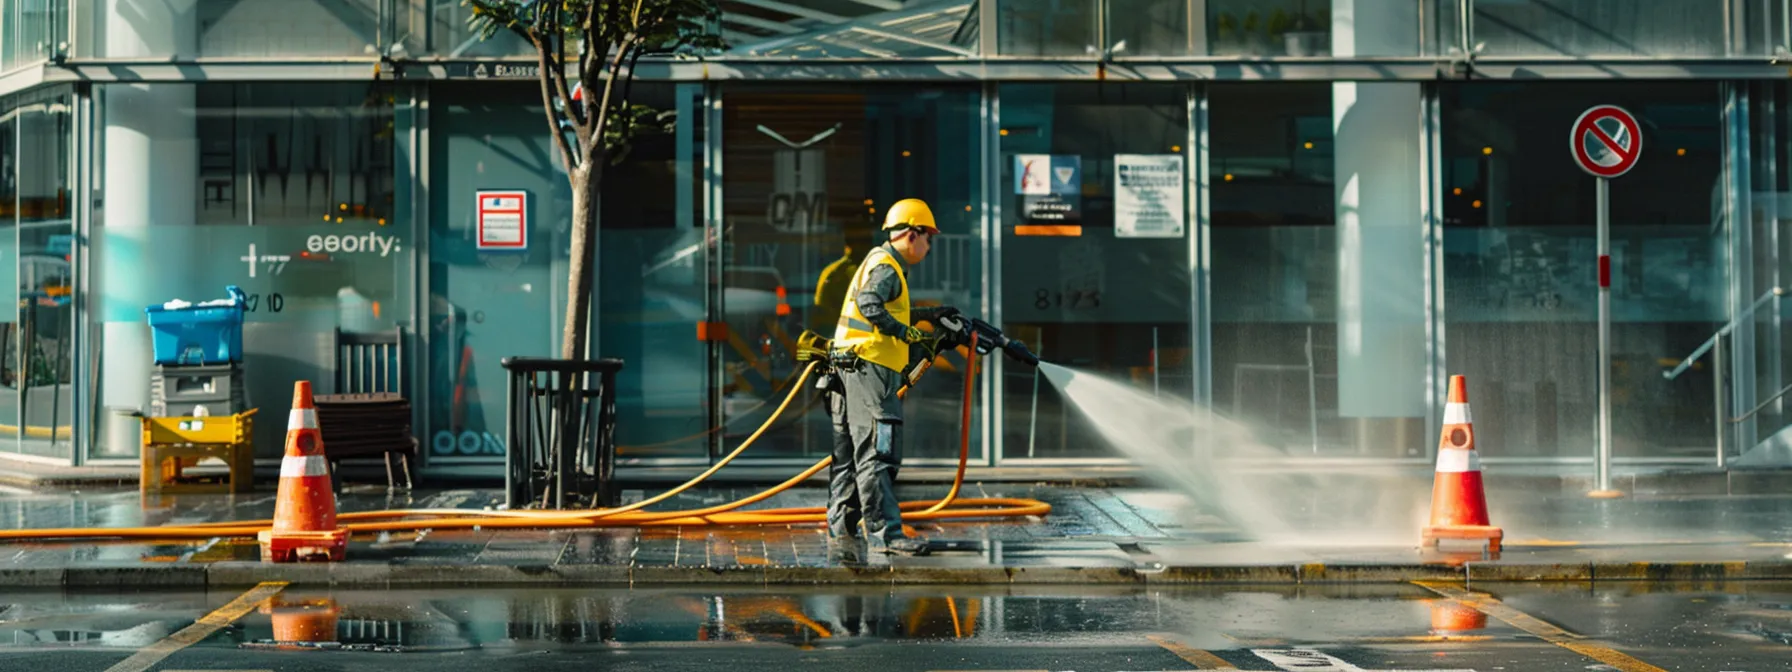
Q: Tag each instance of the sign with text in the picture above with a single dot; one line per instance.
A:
(503, 220)
(501, 70)
(1050, 188)
(1148, 191)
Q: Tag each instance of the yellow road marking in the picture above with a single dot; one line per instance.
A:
(1202, 660)
(1487, 604)
(1270, 642)
(147, 657)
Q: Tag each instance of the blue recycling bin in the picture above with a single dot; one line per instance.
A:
(200, 334)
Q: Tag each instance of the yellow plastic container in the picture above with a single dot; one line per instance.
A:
(224, 429)
(172, 444)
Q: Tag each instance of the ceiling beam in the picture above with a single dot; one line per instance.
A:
(761, 24)
(793, 10)
(886, 5)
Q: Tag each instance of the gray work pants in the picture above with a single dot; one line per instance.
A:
(867, 424)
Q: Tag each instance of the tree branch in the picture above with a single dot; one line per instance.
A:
(628, 85)
(581, 122)
(624, 47)
(547, 103)
(597, 47)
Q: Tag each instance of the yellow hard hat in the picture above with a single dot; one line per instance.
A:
(909, 213)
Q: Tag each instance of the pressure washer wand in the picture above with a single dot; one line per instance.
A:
(960, 330)
(989, 338)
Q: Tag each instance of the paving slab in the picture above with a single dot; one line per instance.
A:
(1094, 535)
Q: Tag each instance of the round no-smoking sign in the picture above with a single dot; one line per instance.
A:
(1606, 141)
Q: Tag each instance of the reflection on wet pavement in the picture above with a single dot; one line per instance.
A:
(1736, 626)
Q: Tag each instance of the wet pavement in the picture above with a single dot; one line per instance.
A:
(1740, 626)
(1364, 531)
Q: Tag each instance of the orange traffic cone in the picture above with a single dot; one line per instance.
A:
(1458, 500)
(1449, 619)
(302, 622)
(305, 510)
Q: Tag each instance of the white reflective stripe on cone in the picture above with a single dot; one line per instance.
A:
(1455, 461)
(1457, 414)
(301, 418)
(297, 466)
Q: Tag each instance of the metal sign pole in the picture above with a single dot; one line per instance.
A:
(1604, 234)
(1605, 152)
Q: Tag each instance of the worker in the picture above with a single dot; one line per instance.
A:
(870, 350)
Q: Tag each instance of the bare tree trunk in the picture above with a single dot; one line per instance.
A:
(585, 182)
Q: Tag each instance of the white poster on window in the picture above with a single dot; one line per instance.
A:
(1148, 199)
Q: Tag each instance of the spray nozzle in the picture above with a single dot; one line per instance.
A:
(1018, 350)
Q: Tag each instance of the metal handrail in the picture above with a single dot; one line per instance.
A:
(1720, 420)
(1685, 364)
(1757, 409)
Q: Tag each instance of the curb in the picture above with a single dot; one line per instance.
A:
(380, 576)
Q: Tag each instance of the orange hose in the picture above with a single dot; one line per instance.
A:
(964, 425)
(947, 508)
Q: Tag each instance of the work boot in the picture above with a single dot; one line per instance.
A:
(846, 549)
(906, 546)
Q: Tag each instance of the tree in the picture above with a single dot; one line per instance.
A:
(610, 37)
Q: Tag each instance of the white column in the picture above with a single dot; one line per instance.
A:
(149, 28)
(149, 181)
(1378, 150)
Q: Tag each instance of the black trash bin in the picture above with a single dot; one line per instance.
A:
(561, 421)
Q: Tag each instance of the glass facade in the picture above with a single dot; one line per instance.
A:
(1275, 262)
(32, 31)
(284, 190)
(238, 29)
(488, 304)
(37, 326)
(1084, 286)
(806, 176)
(653, 286)
(1349, 201)
(432, 28)
(1519, 254)
(1607, 28)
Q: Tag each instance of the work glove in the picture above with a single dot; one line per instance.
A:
(928, 344)
(930, 348)
(947, 337)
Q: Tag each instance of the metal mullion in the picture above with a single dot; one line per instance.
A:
(1431, 214)
(715, 259)
(1200, 246)
(995, 415)
(80, 167)
(418, 112)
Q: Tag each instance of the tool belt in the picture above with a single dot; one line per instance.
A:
(829, 363)
(844, 360)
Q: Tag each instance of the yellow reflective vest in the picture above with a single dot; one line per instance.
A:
(854, 333)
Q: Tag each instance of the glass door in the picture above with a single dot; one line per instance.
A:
(1095, 227)
(45, 333)
(807, 174)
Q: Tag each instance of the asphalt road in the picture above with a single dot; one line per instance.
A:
(1629, 627)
